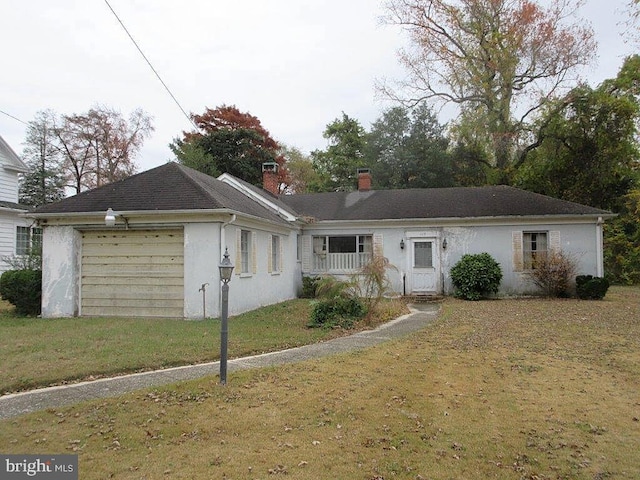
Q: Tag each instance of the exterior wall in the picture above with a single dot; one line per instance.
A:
(256, 289)
(201, 259)
(8, 185)
(8, 223)
(60, 271)
(582, 241)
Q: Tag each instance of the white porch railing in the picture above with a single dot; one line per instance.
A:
(340, 262)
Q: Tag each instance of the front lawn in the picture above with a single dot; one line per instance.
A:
(503, 389)
(38, 352)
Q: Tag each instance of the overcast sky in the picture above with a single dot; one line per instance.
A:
(294, 64)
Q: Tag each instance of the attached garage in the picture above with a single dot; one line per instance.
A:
(133, 273)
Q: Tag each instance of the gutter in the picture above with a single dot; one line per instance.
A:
(223, 235)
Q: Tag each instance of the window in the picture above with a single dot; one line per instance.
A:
(275, 254)
(245, 251)
(423, 254)
(28, 240)
(342, 253)
(534, 247)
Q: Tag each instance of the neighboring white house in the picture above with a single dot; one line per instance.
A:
(172, 225)
(17, 234)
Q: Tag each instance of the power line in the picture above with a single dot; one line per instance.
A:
(151, 66)
(11, 116)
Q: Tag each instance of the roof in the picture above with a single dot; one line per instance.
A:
(14, 206)
(432, 203)
(171, 186)
(9, 158)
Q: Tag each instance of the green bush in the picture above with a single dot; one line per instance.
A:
(336, 312)
(309, 287)
(589, 287)
(476, 276)
(22, 288)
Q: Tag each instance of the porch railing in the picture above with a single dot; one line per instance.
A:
(340, 262)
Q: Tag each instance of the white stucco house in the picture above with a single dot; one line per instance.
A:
(170, 227)
(17, 234)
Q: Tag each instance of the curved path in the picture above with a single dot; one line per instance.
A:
(15, 404)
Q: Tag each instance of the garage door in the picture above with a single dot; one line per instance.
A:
(133, 273)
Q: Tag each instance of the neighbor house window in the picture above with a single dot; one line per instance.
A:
(28, 240)
(534, 248)
(275, 253)
(245, 251)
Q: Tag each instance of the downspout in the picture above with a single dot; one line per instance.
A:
(223, 236)
(599, 259)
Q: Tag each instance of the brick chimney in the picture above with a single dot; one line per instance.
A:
(270, 177)
(364, 179)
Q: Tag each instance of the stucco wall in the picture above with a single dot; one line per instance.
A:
(60, 272)
(578, 240)
(253, 290)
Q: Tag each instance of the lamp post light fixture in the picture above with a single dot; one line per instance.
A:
(226, 269)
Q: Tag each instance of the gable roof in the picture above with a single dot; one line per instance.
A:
(432, 203)
(9, 158)
(169, 187)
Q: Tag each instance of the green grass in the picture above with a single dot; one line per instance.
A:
(37, 352)
(507, 389)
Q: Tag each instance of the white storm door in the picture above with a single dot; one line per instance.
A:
(424, 276)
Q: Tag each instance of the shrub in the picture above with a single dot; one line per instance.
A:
(476, 276)
(309, 287)
(589, 287)
(553, 273)
(371, 283)
(22, 288)
(339, 304)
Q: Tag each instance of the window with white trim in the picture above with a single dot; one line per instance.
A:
(275, 253)
(245, 251)
(28, 240)
(342, 252)
(535, 246)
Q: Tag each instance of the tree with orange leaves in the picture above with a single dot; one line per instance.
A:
(229, 141)
(498, 60)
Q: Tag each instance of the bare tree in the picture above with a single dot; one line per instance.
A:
(498, 60)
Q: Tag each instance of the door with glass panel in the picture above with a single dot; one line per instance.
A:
(424, 262)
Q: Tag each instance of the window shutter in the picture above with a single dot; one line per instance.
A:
(238, 267)
(307, 242)
(378, 247)
(254, 253)
(554, 241)
(280, 257)
(270, 255)
(518, 258)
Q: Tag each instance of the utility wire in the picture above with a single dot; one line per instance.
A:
(151, 66)
(11, 116)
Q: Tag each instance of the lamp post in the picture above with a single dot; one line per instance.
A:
(226, 268)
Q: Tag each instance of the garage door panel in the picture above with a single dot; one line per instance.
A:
(105, 250)
(133, 273)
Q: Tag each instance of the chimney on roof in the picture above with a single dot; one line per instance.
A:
(270, 177)
(364, 179)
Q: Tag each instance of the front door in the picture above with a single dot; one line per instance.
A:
(424, 262)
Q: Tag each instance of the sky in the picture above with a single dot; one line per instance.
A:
(294, 64)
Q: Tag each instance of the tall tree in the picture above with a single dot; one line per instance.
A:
(302, 176)
(229, 141)
(338, 164)
(44, 182)
(500, 60)
(586, 149)
(407, 148)
(99, 146)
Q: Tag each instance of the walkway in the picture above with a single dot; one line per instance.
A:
(16, 404)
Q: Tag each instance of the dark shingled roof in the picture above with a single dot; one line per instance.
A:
(171, 186)
(461, 202)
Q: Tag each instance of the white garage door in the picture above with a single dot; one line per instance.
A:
(133, 273)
